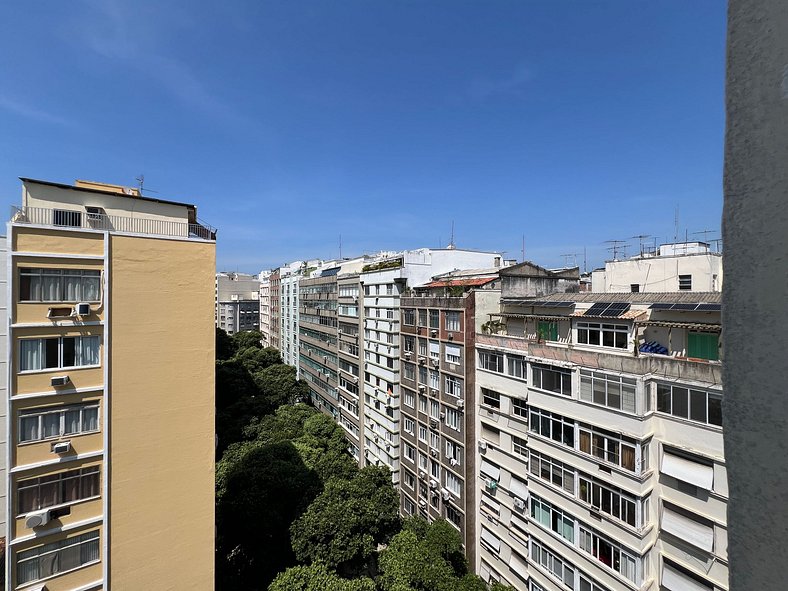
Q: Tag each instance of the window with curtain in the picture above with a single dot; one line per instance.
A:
(58, 352)
(40, 424)
(57, 557)
(57, 489)
(59, 285)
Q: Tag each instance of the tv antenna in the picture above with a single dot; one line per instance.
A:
(570, 256)
(705, 234)
(451, 240)
(616, 247)
(641, 238)
(140, 182)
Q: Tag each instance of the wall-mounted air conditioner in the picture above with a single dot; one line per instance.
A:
(422, 360)
(519, 504)
(423, 504)
(454, 462)
(482, 446)
(422, 388)
(408, 354)
(82, 309)
(59, 380)
(422, 474)
(37, 518)
(460, 403)
(435, 362)
(446, 494)
(61, 447)
(433, 484)
(434, 333)
(434, 453)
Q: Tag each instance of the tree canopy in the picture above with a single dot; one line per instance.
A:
(317, 577)
(247, 338)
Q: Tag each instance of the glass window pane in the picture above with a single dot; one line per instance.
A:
(69, 351)
(51, 424)
(72, 422)
(50, 353)
(28, 499)
(29, 430)
(90, 287)
(698, 406)
(680, 402)
(715, 410)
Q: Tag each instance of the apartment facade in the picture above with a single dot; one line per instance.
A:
(275, 327)
(237, 302)
(110, 434)
(683, 266)
(265, 307)
(437, 417)
(600, 450)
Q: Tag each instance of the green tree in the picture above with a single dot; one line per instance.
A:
(285, 424)
(225, 346)
(317, 577)
(260, 491)
(248, 338)
(323, 447)
(279, 385)
(255, 359)
(347, 521)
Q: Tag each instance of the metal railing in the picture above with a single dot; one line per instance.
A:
(67, 218)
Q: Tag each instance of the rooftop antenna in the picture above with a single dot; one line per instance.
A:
(523, 247)
(451, 242)
(340, 247)
(567, 257)
(616, 247)
(585, 261)
(641, 238)
(140, 182)
(676, 224)
(705, 234)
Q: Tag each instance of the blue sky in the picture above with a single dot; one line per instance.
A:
(290, 123)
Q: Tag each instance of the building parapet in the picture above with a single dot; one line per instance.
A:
(432, 302)
(70, 219)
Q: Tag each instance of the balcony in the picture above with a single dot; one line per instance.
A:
(67, 219)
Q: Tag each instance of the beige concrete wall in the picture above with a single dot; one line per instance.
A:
(161, 523)
(40, 240)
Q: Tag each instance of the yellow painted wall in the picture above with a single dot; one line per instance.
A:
(60, 241)
(162, 414)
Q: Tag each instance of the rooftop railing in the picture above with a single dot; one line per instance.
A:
(67, 218)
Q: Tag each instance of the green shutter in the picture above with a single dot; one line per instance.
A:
(548, 330)
(703, 345)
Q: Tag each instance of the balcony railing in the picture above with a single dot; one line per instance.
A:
(66, 218)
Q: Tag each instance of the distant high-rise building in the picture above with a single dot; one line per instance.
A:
(265, 307)
(110, 438)
(237, 302)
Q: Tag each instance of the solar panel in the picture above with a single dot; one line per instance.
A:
(709, 307)
(660, 306)
(563, 304)
(684, 307)
(597, 309)
(615, 309)
(538, 303)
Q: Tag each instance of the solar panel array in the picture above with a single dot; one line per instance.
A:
(687, 307)
(543, 304)
(607, 309)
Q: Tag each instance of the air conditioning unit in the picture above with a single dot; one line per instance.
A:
(443, 415)
(408, 354)
(482, 445)
(423, 504)
(435, 362)
(82, 309)
(61, 447)
(422, 474)
(433, 484)
(454, 462)
(37, 518)
(519, 504)
(434, 453)
(460, 403)
(59, 380)
(451, 336)
(433, 424)
(355, 380)
(491, 484)
(422, 360)
(445, 494)
(434, 333)
(422, 388)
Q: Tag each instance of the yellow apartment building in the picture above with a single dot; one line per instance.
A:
(110, 408)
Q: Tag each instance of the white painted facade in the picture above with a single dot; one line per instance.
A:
(236, 299)
(380, 298)
(265, 307)
(686, 266)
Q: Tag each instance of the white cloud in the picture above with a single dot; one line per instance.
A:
(30, 112)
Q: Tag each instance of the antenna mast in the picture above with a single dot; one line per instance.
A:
(617, 246)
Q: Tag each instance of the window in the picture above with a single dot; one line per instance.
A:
(453, 321)
(408, 371)
(453, 452)
(553, 426)
(588, 584)
(608, 390)
(454, 386)
(409, 426)
(453, 483)
(409, 451)
(696, 405)
(685, 282)
(41, 424)
(491, 398)
(59, 285)
(608, 500)
(519, 408)
(453, 516)
(57, 557)
(57, 489)
(435, 409)
(453, 419)
(547, 330)
(554, 379)
(422, 317)
(408, 506)
(608, 447)
(423, 433)
(409, 344)
(552, 518)
(422, 347)
(553, 472)
(435, 380)
(608, 553)
(453, 353)
(703, 345)
(552, 564)
(491, 361)
(515, 366)
(58, 352)
(634, 287)
(435, 350)
(409, 398)
(519, 446)
(605, 335)
(422, 374)
(434, 319)
(423, 404)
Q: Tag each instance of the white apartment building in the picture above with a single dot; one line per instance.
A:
(600, 462)
(684, 266)
(265, 307)
(291, 275)
(383, 281)
(237, 302)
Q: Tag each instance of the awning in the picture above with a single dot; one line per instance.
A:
(699, 326)
(491, 539)
(674, 580)
(518, 565)
(491, 471)
(687, 471)
(698, 534)
(518, 488)
(534, 316)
